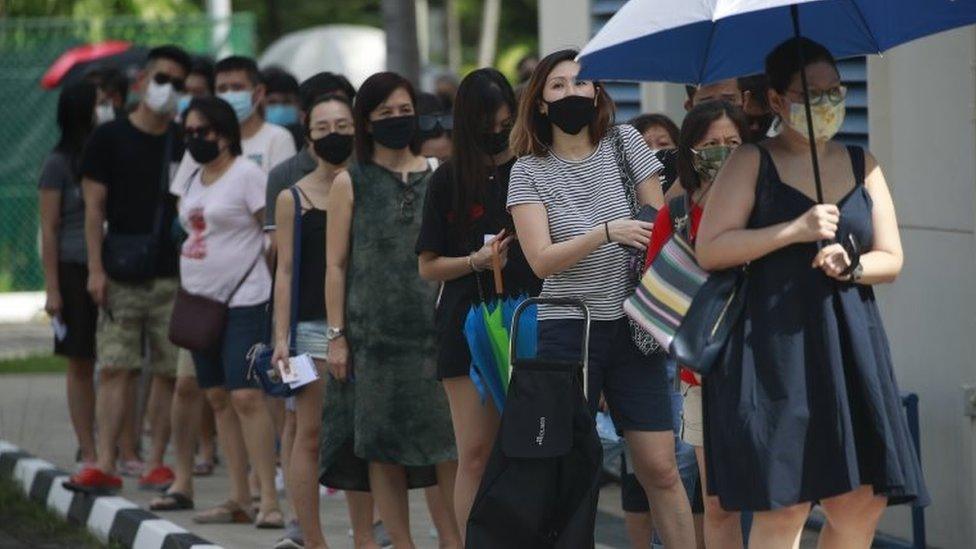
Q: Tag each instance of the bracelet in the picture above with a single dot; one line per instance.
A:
(471, 263)
(606, 229)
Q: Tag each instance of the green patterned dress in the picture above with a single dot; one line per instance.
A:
(397, 408)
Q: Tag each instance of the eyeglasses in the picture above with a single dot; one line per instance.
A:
(199, 132)
(427, 122)
(162, 79)
(817, 97)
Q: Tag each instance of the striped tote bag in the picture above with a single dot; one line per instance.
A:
(668, 287)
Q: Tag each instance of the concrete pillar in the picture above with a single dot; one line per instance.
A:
(563, 24)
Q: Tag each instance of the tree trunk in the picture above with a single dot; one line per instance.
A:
(490, 18)
(453, 37)
(402, 52)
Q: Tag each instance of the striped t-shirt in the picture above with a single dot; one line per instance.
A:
(578, 196)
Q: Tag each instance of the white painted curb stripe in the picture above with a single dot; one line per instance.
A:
(152, 533)
(26, 469)
(103, 513)
(6, 447)
(59, 498)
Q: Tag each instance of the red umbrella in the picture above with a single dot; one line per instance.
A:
(79, 55)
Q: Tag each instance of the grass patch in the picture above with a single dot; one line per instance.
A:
(33, 524)
(35, 364)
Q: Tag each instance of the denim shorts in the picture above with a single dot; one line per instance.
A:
(310, 338)
(636, 386)
(226, 366)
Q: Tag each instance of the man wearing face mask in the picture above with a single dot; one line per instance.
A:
(133, 266)
(281, 102)
(238, 82)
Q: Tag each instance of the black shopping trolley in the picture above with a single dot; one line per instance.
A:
(541, 484)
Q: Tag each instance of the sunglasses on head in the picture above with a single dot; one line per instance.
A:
(427, 122)
(162, 79)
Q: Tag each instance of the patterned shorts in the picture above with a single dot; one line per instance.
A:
(136, 319)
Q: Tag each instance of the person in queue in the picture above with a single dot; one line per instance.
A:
(434, 126)
(709, 134)
(199, 83)
(456, 249)
(755, 91)
(281, 103)
(573, 221)
(63, 256)
(658, 130)
(806, 388)
(379, 328)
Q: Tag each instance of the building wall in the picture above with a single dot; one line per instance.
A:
(563, 24)
(922, 121)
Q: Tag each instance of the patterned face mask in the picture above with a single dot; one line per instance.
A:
(708, 161)
(828, 117)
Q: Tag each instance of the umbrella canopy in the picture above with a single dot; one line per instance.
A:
(710, 40)
(72, 65)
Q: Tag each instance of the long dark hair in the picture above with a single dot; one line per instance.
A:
(532, 133)
(76, 113)
(696, 124)
(372, 93)
(220, 115)
(479, 97)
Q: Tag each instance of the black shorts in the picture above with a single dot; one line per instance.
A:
(78, 312)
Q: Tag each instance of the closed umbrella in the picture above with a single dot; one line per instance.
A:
(710, 40)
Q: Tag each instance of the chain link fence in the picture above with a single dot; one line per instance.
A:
(28, 46)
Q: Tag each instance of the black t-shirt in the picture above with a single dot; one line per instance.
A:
(439, 233)
(129, 162)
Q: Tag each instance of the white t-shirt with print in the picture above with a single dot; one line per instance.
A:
(267, 148)
(225, 237)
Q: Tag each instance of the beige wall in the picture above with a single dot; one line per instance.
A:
(922, 105)
(563, 24)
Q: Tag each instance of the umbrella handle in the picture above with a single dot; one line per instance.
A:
(496, 268)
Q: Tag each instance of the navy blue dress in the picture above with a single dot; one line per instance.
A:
(804, 404)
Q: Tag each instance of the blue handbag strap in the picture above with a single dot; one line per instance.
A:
(296, 263)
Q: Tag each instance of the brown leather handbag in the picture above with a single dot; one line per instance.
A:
(198, 322)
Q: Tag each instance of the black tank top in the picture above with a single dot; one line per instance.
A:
(311, 272)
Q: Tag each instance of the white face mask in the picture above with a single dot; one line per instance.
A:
(827, 119)
(104, 113)
(161, 98)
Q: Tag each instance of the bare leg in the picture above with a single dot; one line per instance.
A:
(656, 469)
(361, 517)
(81, 404)
(389, 485)
(110, 412)
(778, 529)
(302, 470)
(287, 451)
(207, 448)
(232, 441)
(440, 504)
(852, 519)
(185, 413)
(640, 529)
(130, 433)
(160, 401)
(722, 529)
(475, 427)
(258, 430)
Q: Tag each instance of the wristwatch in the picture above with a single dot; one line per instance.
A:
(332, 333)
(857, 273)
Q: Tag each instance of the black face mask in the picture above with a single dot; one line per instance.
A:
(202, 150)
(572, 113)
(759, 126)
(395, 133)
(334, 148)
(496, 143)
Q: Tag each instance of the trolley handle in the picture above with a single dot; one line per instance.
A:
(559, 301)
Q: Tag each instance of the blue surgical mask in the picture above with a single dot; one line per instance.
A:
(240, 101)
(183, 104)
(282, 115)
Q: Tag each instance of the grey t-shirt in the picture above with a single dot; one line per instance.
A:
(282, 176)
(57, 174)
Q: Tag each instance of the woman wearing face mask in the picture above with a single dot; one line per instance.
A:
(221, 207)
(330, 132)
(456, 249)
(709, 134)
(573, 220)
(380, 331)
(65, 261)
(803, 405)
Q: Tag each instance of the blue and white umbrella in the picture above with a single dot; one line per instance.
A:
(702, 41)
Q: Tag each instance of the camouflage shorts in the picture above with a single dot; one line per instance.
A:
(135, 321)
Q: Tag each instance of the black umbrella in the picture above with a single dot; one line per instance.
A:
(541, 485)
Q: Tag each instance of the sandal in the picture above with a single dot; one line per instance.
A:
(173, 501)
(271, 520)
(203, 468)
(228, 512)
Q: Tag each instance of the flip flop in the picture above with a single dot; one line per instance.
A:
(271, 520)
(228, 512)
(173, 501)
(203, 468)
